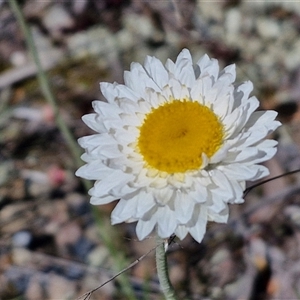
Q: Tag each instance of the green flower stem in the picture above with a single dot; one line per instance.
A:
(162, 270)
(106, 234)
(44, 84)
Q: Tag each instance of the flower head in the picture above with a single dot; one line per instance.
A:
(175, 144)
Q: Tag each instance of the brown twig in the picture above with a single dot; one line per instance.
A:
(88, 294)
(247, 190)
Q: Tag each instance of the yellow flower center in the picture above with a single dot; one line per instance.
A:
(174, 136)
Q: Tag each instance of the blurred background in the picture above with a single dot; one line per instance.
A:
(51, 243)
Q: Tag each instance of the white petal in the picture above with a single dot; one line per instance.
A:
(198, 230)
(145, 203)
(221, 154)
(184, 207)
(208, 67)
(94, 122)
(228, 71)
(176, 89)
(124, 210)
(93, 171)
(166, 222)
(138, 80)
(90, 140)
(220, 217)
(163, 196)
(106, 109)
(115, 178)
(144, 228)
(102, 200)
(170, 66)
(242, 172)
(221, 182)
(100, 146)
(244, 155)
(262, 171)
(242, 93)
(206, 88)
(181, 231)
(156, 70)
(200, 194)
(196, 92)
(184, 70)
(114, 91)
(222, 105)
(123, 191)
(218, 203)
(263, 119)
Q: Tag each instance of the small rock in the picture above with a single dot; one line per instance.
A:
(34, 290)
(268, 28)
(233, 25)
(21, 256)
(68, 235)
(19, 280)
(60, 288)
(74, 271)
(81, 248)
(293, 213)
(21, 238)
(18, 58)
(98, 256)
(139, 25)
(57, 18)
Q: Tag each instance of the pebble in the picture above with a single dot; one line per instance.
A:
(79, 205)
(18, 58)
(57, 18)
(18, 279)
(95, 41)
(233, 25)
(98, 256)
(22, 239)
(34, 289)
(6, 167)
(74, 272)
(267, 28)
(60, 288)
(139, 26)
(81, 248)
(68, 234)
(293, 213)
(37, 182)
(292, 59)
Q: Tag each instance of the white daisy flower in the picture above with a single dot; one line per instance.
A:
(175, 144)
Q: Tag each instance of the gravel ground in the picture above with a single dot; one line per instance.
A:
(50, 246)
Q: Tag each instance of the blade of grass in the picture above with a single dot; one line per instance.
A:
(106, 232)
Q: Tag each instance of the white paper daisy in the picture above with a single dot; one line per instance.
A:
(175, 144)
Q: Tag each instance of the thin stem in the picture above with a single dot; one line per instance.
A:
(45, 86)
(247, 190)
(162, 270)
(118, 256)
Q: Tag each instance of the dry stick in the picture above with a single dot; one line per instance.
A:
(247, 190)
(87, 295)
